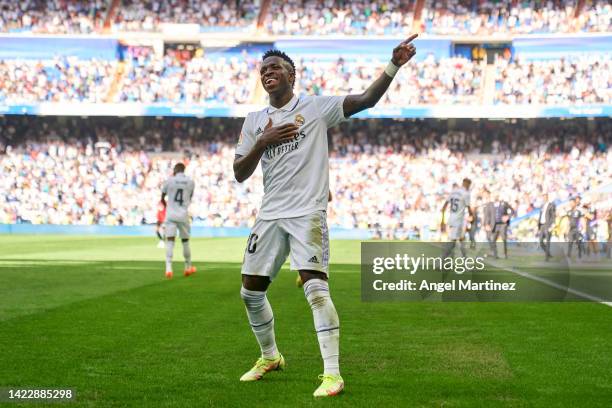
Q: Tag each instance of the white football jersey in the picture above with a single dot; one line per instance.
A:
(295, 173)
(458, 201)
(178, 190)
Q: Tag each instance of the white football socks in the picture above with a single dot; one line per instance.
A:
(187, 254)
(261, 319)
(169, 253)
(326, 323)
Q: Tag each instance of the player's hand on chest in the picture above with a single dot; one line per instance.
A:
(279, 129)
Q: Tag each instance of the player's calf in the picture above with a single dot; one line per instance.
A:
(261, 319)
(189, 268)
(327, 326)
(169, 255)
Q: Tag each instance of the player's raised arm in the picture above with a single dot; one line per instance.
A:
(401, 55)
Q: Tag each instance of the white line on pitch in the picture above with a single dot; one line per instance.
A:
(557, 286)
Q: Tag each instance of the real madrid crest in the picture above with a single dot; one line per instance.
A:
(299, 120)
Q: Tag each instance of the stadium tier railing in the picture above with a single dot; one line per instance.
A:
(498, 111)
(149, 231)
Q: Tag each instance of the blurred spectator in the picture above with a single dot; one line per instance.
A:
(597, 16)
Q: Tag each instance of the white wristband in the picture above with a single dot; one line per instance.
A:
(391, 69)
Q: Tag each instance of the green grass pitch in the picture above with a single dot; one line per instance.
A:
(96, 315)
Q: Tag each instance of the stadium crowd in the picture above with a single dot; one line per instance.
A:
(148, 78)
(307, 17)
(194, 80)
(148, 15)
(57, 80)
(53, 16)
(578, 80)
(459, 17)
(448, 81)
(388, 176)
(503, 17)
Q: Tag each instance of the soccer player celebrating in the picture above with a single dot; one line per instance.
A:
(458, 201)
(179, 189)
(289, 137)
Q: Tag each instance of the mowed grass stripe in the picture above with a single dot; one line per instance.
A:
(105, 248)
(38, 288)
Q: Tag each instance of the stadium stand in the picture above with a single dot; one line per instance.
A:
(387, 176)
(446, 81)
(102, 171)
(136, 15)
(579, 80)
(53, 17)
(528, 17)
(308, 17)
(58, 80)
(147, 78)
(150, 78)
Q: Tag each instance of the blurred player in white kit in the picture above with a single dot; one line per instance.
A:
(458, 201)
(179, 189)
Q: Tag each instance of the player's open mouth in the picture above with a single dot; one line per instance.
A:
(271, 81)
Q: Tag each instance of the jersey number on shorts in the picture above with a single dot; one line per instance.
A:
(454, 204)
(178, 197)
(252, 243)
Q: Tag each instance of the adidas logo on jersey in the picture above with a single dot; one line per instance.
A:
(313, 259)
(258, 131)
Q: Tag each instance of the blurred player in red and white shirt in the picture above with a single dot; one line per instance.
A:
(161, 217)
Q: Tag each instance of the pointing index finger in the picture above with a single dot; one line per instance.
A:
(409, 39)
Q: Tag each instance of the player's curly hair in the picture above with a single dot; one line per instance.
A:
(280, 54)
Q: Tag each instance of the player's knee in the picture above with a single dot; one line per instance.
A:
(308, 275)
(184, 240)
(252, 299)
(317, 293)
(255, 283)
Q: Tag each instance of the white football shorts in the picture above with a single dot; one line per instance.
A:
(306, 238)
(455, 231)
(183, 227)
